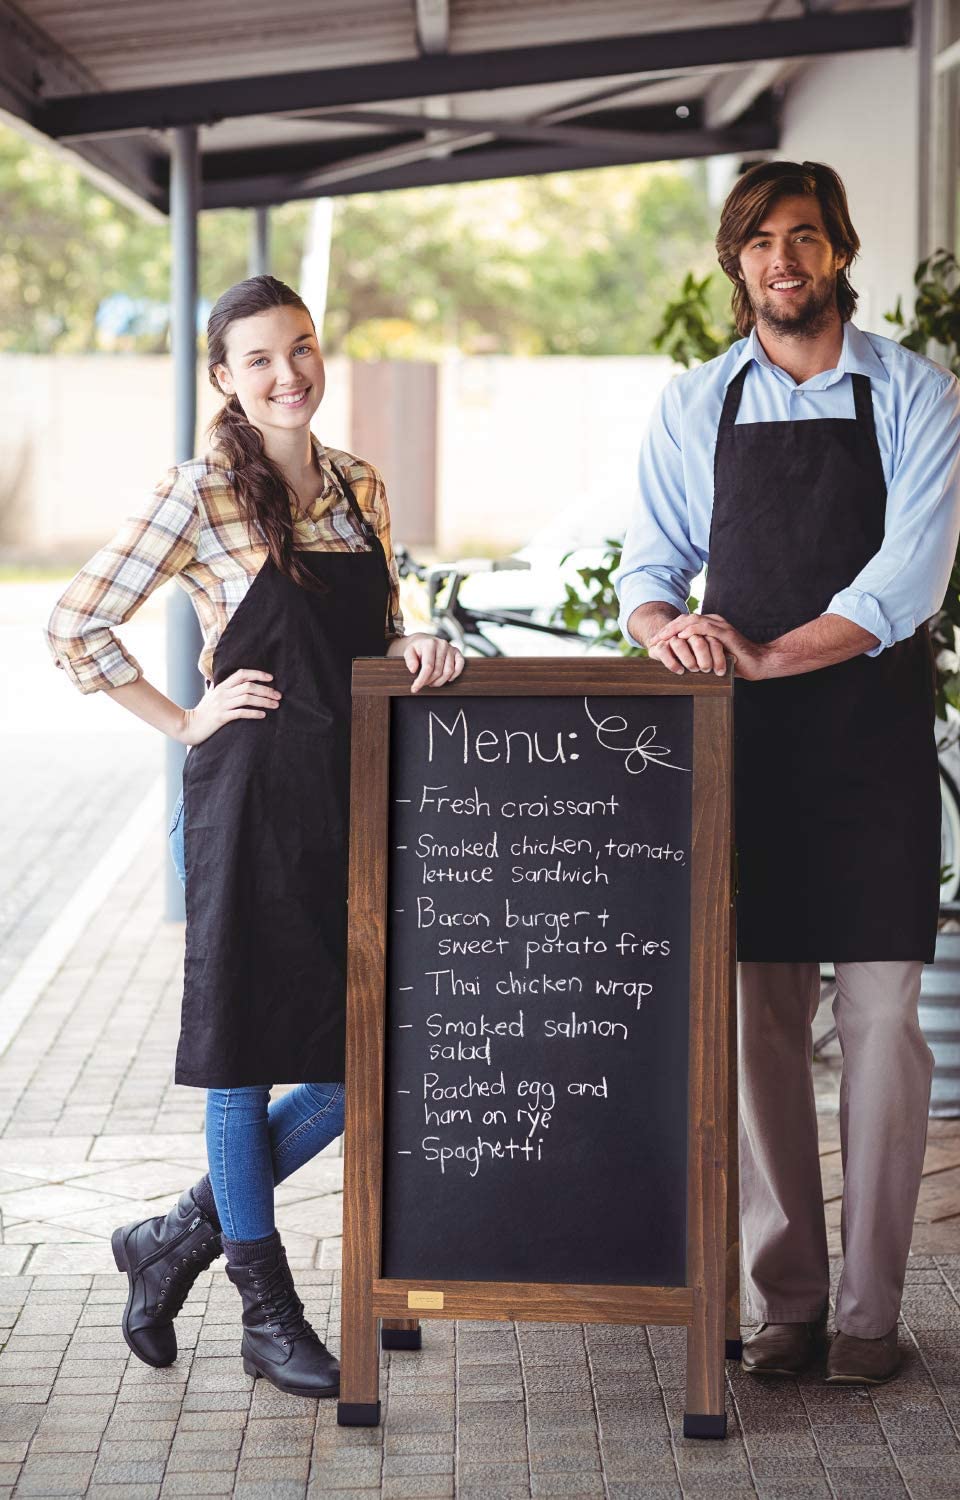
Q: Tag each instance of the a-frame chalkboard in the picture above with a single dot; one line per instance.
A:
(540, 1079)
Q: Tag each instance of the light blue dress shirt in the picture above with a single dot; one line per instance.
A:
(916, 407)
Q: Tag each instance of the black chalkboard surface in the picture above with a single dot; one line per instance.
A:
(540, 1060)
(537, 985)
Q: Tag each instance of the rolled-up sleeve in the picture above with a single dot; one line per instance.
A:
(904, 583)
(149, 548)
(659, 561)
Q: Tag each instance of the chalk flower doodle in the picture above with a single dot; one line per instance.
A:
(641, 752)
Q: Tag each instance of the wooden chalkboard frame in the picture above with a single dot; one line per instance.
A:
(708, 1305)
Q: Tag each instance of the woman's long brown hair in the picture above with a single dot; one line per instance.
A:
(265, 497)
(750, 200)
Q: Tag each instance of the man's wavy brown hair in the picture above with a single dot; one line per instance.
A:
(751, 199)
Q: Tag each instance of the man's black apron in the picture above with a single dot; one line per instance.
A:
(266, 805)
(837, 793)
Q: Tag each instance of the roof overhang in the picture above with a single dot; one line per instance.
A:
(406, 100)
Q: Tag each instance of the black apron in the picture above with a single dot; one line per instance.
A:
(837, 792)
(266, 808)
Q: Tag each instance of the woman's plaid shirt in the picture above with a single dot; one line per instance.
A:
(193, 530)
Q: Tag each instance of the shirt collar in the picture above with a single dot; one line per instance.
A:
(332, 494)
(857, 357)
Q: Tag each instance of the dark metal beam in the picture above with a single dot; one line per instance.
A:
(380, 166)
(483, 164)
(500, 126)
(285, 93)
(592, 119)
(298, 158)
(292, 160)
(124, 168)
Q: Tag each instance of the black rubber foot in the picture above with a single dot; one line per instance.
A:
(697, 1426)
(401, 1338)
(358, 1413)
(734, 1349)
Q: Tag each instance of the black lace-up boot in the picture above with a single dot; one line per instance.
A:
(162, 1258)
(278, 1342)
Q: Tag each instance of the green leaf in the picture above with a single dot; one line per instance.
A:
(934, 329)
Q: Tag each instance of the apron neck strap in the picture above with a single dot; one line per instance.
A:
(366, 530)
(731, 401)
(862, 402)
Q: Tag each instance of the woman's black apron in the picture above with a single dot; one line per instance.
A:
(837, 793)
(266, 804)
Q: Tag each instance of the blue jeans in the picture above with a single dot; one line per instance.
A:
(251, 1143)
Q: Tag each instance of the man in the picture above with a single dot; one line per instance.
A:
(817, 469)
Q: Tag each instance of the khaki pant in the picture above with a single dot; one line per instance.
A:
(884, 1098)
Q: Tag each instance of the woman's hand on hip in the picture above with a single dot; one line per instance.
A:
(431, 661)
(247, 694)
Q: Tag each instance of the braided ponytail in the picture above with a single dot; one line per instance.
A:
(263, 492)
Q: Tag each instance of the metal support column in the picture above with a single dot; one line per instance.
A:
(184, 640)
(925, 27)
(260, 242)
(943, 85)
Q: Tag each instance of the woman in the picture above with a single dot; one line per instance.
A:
(284, 548)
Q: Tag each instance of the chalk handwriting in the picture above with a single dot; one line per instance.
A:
(643, 752)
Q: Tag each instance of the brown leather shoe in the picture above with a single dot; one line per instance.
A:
(783, 1348)
(853, 1361)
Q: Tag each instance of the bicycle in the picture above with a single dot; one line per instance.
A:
(464, 626)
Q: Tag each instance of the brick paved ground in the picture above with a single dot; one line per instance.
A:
(93, 1133)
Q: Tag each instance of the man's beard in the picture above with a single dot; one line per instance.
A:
(810, 320)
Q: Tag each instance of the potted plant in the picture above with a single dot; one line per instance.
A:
(934, 329)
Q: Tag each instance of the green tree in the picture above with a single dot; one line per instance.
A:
(65, 248)
(575, 263)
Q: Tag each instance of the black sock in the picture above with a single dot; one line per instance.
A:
(205, 1201)
(247, 1252)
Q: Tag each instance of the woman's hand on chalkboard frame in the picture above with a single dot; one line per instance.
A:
(432, 662)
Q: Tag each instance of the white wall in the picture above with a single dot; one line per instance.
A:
(86, 437)
(858, 113)
(521, 439)
(518, 441)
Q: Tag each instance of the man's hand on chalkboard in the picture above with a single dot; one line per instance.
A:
(696, 633)
(432, 662)
(679, 652)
